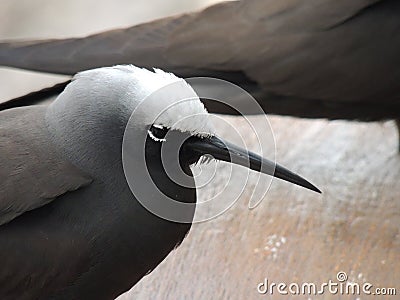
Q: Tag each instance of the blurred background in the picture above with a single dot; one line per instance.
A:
(294, 235)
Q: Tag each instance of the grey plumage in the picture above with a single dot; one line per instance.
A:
(40, 176)
(331, 59)
(66, 233)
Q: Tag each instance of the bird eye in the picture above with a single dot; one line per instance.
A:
(158, 132)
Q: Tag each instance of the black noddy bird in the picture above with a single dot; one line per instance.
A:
(70, 227)
(307, 58)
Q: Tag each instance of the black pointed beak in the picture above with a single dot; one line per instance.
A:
(226, 151)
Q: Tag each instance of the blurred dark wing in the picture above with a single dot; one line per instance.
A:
(310, 58)
(32, 172)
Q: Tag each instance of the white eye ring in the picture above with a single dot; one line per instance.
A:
(158, 126)
(154, 137)
(157, 132)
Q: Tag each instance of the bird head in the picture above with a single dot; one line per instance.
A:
(177, 121)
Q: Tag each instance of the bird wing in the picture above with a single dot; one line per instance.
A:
(308, 58)
(208, 39)
(32, 171)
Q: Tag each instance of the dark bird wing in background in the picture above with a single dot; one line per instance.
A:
(307, 58)
(34, 97)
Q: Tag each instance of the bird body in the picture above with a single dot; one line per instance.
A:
(67, 233)
(87, 244)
